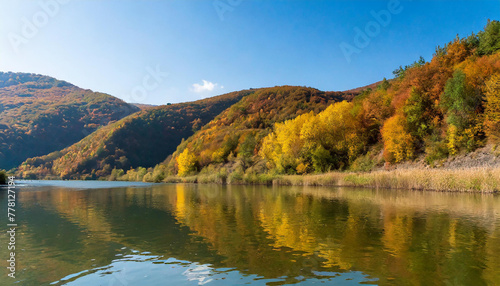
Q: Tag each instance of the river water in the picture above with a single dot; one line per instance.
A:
(102, 233)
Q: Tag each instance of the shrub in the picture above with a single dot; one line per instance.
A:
(3, 178)
(436, 151)
(363, 163)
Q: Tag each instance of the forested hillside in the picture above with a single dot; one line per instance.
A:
(40, 114)
(142, 139)
(237, 133)
(431, 110)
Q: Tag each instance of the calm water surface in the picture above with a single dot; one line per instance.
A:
(119, 234)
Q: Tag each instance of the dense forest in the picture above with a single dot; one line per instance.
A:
(238, 132)
(40, 114)
(430, 111)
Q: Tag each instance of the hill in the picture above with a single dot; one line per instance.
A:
(143, 106)
(40, 114)
(238, 131)
(363, 88)
(142, 139)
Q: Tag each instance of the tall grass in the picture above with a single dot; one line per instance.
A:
(458, 180)
(485, 180)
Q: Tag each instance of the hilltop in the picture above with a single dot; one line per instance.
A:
(40, 114)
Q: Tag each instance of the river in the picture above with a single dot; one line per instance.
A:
(107, 233)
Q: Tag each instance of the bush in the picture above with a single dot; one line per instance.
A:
(3, 178)
(235, 177)
(436, 151)
(363, 163)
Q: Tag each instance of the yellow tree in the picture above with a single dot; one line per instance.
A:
(283, 148)
(336, 129)
(492, 108)
(398, 143)
(186, 163)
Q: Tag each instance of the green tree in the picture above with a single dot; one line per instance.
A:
(401, 71)
(384, 85)
(460, 101)
(417, 114)
(246, 150)
(489, 39)
(322, 159)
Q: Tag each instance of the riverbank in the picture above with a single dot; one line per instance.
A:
(480, 179)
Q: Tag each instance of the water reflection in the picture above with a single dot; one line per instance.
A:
(196, 235)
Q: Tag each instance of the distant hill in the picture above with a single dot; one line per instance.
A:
(40, 114)
(362, 88)
(143, 106)
(143, 139)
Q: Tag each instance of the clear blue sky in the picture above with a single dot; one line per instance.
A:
(109, 46)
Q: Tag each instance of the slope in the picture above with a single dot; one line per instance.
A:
(239, 129)
(40, 114)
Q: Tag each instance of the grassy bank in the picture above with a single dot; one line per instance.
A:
(485, 180)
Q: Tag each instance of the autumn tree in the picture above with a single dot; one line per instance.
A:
(492, 108)
(398, 143)
(331, 139)
(186, 163)
(339, 131)
(284, 148)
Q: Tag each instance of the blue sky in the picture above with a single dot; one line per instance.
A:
(156, 52)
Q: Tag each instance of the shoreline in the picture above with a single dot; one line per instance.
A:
(476, 180)
(472, 180)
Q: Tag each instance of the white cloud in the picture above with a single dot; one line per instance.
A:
(206, 86)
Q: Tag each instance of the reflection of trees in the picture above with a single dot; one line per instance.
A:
(411, 237)
(408, 238)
